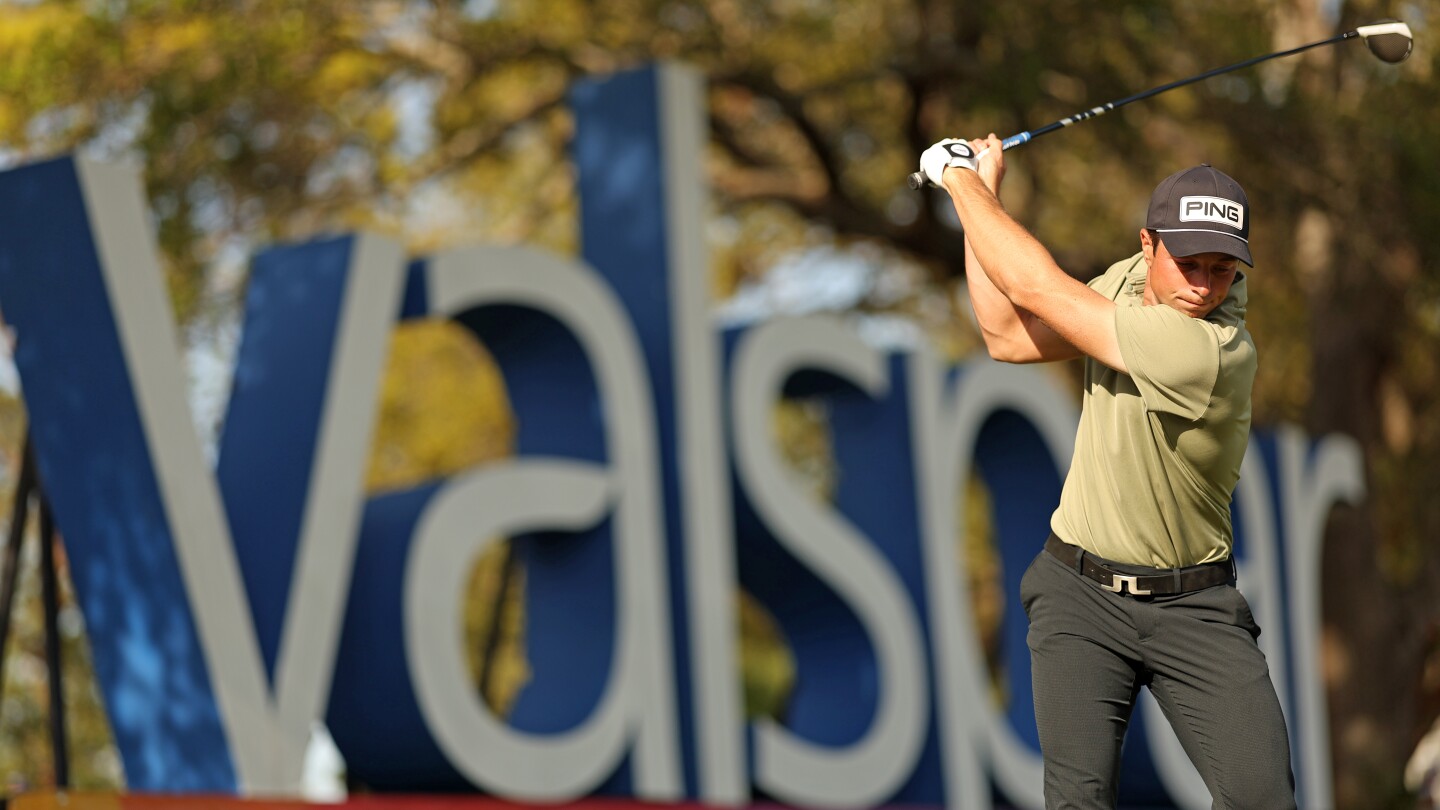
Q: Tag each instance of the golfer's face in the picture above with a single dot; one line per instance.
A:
(1194, 285)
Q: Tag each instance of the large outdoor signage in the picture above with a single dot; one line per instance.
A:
(231, 607)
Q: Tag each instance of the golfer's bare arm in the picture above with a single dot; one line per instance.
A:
(1028, 308)
(1011, 334)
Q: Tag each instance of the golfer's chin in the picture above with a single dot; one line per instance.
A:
(1193, 310)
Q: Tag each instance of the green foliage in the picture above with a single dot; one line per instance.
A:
(443, 408)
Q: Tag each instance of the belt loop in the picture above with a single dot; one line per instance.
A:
(1178, 588)
(1079, 561)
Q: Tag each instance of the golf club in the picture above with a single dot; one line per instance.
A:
(1390, 40)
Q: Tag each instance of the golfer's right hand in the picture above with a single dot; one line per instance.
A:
(944, 154)
(990, 159)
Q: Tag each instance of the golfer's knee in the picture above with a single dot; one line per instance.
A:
(1248, 787)
(1074, 789)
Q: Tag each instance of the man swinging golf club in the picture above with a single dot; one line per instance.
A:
(1136, 585)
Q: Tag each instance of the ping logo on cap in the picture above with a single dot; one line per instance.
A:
(1212, 209)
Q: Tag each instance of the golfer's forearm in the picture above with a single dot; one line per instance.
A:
(1002, 325)
(1018, 266)
(1061, 316)
(1011, 334)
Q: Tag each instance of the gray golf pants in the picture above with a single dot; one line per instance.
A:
(1091, 650)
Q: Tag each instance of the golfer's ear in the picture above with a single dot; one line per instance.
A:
(1147, 245)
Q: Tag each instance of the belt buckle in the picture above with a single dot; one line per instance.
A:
(1118, 583)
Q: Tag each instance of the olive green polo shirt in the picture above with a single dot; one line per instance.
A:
(1158, 450)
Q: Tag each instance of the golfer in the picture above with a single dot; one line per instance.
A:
(1136, 586)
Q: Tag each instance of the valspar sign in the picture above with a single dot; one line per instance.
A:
(231, 608)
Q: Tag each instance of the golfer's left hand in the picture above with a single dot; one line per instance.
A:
(944, 154)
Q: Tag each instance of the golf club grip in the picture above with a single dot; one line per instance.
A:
(917, 179)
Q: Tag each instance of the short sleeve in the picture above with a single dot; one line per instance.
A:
(1174, 359)
(1110, 282)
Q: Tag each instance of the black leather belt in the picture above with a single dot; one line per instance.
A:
(1138, 580)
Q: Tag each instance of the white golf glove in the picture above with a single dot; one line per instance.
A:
(944, 154)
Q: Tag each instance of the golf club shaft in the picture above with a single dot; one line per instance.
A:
(917, 179)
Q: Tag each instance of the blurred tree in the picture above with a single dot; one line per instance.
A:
(441, 122)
